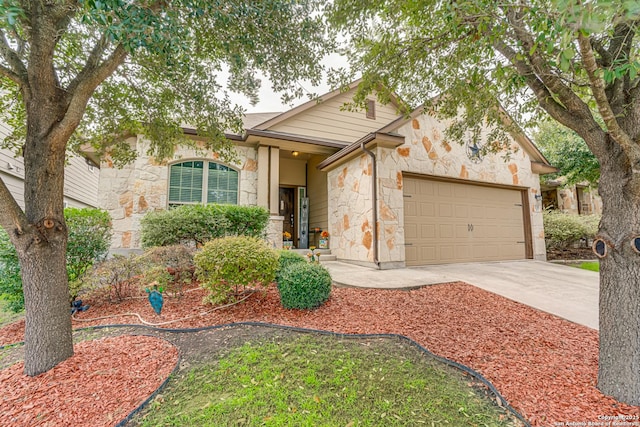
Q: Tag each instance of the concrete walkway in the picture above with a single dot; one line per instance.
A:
(565, 291)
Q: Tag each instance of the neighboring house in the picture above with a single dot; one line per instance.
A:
(578, 199)
(317, 167)
(80, 182)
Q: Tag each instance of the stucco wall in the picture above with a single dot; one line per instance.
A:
(427, 152)
(141, 186)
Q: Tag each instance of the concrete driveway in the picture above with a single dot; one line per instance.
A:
(565, 291)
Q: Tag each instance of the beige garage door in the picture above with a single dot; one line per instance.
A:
(449, 222)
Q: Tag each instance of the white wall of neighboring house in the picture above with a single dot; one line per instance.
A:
(81, 177)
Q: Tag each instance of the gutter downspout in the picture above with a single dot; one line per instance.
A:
(374, 193)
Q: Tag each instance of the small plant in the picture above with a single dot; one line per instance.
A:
(286, 235)
(286, 259)
(116, 278)
(304, 286)
(170, 266)
(312, 256)
(228, 265)
(324, 234)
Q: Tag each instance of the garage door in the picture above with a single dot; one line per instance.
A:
(449, 222)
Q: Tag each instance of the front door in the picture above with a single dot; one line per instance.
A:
(287, 210)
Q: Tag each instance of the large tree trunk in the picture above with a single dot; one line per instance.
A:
(48, 339)
(42, 253)
(619, 361)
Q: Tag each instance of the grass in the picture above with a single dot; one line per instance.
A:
(7, 316)
(323, 381)
(590, 265)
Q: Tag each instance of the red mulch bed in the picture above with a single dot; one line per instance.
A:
(100, 385)
(546, 367)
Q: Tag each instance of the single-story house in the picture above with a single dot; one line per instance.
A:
(390, 189)
(81, 177)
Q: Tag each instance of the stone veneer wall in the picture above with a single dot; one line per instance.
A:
(427, 152)
(142, 186)
(350, 223)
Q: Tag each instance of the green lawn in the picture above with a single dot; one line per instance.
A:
(323, 381)
(591, 265)
(6, 315)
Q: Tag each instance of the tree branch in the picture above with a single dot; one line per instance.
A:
(93, 61)
(10, 75)
(12, 218)
(559, 112)
(541, 68)
(598, 89)
(82, 93)
(18, 69)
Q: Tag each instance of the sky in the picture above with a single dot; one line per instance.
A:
(270, 101)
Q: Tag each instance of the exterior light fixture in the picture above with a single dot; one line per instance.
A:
(295, 153)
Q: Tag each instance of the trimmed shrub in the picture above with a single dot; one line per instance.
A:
(196, 224)
(172, 267)
(88, 242)
(286, 259)
(304, 286)
(226, 266)
(562, 230)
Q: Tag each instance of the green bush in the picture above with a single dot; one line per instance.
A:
(562, 230)
(304, 286)
(197, 224)
(89, 239)
(226, 266)
(10, 280)
(171, 267)
(116, 278)
(286, 259)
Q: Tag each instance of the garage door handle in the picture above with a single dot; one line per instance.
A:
(521, 242)
(408, 244)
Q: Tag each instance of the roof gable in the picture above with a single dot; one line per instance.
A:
(326, 118)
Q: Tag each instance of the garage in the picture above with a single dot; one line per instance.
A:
(447, 221)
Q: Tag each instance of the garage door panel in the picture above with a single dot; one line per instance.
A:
(446, 211)
(446, 231)
(427, 209)
(428, 231)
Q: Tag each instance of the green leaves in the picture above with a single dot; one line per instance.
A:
(226, 265)
(568, 152)
(179, 55)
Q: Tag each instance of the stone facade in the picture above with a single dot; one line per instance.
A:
(142, 186)
(425, 152)
(350, 223)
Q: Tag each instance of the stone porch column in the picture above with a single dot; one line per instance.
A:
(263, 177)
(274, 181)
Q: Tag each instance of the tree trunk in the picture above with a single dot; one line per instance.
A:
(48, 339)
(42, 253)
(619, 361)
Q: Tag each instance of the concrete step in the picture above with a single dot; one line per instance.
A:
(328, 257)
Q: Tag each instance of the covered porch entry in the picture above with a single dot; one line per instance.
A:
(292, 188)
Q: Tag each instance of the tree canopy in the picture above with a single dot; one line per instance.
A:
(568, 152)
(152, 66)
